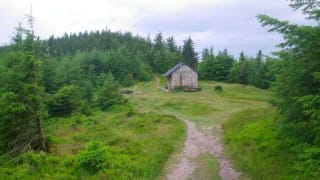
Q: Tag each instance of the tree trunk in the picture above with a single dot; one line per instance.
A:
(42, 143)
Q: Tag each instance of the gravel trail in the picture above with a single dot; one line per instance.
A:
(198, 143)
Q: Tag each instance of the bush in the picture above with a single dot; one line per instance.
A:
(107, 93)
(218, 88)
(308, 161)
(65, 101)
(93, 159)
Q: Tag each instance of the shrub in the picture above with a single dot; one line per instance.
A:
(93, 159)
(107, 93)
(308, 161)
(65, 101)
(218, 88)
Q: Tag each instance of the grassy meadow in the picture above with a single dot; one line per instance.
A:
(137, 146)
(142, 137)
(247, 124)
(207, 107)
(210, 110)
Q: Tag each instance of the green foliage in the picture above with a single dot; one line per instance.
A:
(218, 88)
(252, 140)
(126, 55)
(308, 161)
(131, 145)
(216, 67)
(242, 72)
(188, 54)
(107, 93)
(93, 159)
(34, 165)
(258, 77)
(297, 86)
(20, 96)
(207, 65)
(49, 75)
(255, 141)
(65, 101)
(253, 71)
(164, 54)
(310, 8)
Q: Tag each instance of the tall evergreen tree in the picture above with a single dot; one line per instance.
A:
(20, 101)
(189, 56)
(244, 69)
(223, 63)
(258, 75)
(160, 61)
(174, 55)
(235, 71)
(298, 84)
(206, 67)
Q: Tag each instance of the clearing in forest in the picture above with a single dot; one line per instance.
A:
(202, 155)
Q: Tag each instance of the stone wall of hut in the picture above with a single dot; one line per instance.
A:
(184, 76)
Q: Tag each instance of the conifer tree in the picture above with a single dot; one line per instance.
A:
(20, 101)
(298, 83)
(189, 56)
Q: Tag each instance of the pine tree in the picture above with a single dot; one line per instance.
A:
(189, 56)
(107, 93)
(258, 73)
(207, 65)
(223, 63)
(160, 60)
(244, 69)
(174, 56)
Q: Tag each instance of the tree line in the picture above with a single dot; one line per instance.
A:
(256, 71)
(73, 74)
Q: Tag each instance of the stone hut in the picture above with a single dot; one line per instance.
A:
(181, 75)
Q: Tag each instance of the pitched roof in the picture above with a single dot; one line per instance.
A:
(172, 70)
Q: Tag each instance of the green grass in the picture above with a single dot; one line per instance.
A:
(206, 108)
(207, 168)
(259, 149)
(142, 136)
(139, 145)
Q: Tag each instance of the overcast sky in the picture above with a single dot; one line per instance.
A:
(230, 24)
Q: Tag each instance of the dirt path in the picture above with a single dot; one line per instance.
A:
(198, 143)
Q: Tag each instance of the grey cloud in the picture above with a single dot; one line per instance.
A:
(227, 25)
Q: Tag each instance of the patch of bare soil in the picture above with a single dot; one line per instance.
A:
(198, 143)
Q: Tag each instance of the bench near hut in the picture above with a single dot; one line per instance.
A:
(181, 75)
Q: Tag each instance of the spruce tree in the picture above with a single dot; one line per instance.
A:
(20, 101)
(189, 56)
(298, 84)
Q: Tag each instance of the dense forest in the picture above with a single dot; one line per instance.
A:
(78, 74)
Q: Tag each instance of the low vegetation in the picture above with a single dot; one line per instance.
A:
(262, 151)
(207, 168)
(121, 143)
